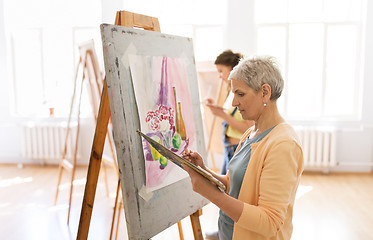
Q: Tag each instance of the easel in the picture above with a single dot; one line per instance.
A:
(220, 102)
(90, 70)
(95, 83)
(127, 19)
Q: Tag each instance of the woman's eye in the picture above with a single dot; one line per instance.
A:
(240, 94)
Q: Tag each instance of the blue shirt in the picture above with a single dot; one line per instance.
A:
(237, 168)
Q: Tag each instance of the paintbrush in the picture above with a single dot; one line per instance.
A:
(179, 161)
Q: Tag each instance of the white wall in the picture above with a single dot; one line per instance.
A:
(354, 139)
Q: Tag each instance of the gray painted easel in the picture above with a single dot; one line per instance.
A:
(127, 19)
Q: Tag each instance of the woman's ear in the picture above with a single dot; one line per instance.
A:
(266, 91)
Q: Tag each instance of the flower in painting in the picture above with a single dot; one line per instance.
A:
(161, 119)
(154, 124)
(161, 122)
(163, 109)
(149, 116)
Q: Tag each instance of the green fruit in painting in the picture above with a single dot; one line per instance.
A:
(163, 161)
(176, 141)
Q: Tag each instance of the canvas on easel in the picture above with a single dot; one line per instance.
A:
(147, 213)
(211, 87)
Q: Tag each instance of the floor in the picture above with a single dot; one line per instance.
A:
(333, 206)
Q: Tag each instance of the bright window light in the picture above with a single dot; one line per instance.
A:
(42, 41)
(318, 44)
(305, 70)
(341, 70)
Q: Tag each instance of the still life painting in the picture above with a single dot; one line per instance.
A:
(166, 115)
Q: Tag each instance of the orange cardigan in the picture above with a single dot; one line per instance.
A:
(269, 186)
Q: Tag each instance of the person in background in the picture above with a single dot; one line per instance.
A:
(233, 126)
(264, 173)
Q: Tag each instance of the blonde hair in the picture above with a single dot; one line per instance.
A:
(258, 71)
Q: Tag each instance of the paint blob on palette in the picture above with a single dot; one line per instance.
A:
(165, 105)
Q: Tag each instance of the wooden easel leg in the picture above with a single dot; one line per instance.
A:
(71, 195)
(196, 225)
(115, 210)
(118, 219)
(94, 164)
(180, 227)
(58, 183)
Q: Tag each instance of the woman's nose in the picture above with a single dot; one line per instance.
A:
(234, 102)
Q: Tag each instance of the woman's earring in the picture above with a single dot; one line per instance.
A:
(265, 104)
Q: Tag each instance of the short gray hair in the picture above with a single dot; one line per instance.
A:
(257, 71)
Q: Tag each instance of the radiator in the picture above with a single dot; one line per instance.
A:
(45, 141)
(319, 147)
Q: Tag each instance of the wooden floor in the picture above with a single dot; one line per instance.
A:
(334, 206)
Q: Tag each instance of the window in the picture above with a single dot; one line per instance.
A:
(27, 73)
(42, 44)
(318, 46)
(201, 20)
